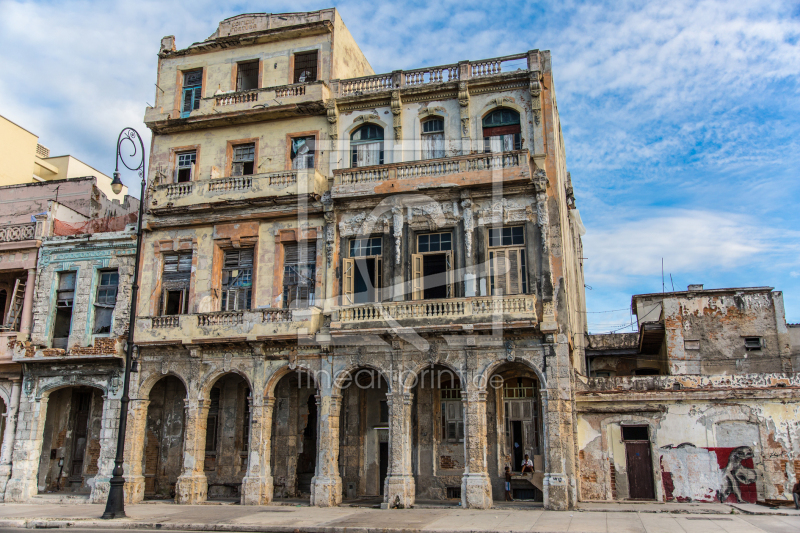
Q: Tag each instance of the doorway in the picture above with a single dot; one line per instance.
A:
(383, 464)
(434, 270)
(365, 280)
(518, 440)
(638, 462)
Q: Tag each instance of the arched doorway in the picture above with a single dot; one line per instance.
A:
(364, 434)
(437, 434)
(514, 404)
(71, 440)
(164, 433)
(227, 437)
(293, 450)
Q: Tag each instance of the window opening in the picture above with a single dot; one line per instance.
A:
(237, 280)
(433, 138)
(363, 271)
(175, 283)
(303, 153)
(501, 131)
(507, 261)
(635, 433)
(243, 159)
(247, 76)
(432, 267)
(105, 301)
(521, 412)
(299, 274)
(305, 67)
(65, 296)
(452, 412)
(366, 144)
(752, 344)
(185, 169)
(192, 87)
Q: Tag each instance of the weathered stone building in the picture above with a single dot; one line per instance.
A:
(353, 284)
(701, 405)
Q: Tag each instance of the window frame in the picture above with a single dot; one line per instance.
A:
(194, 92)
(295, 78)
(183, 268)
(349, 266)
(230, 154)
(291, 138)
(355, 143)
(105, 305)
(311, 285)
(522, 260)
(447, 397)
(238, 77)
(427, 136)
(191, 167)
(231, 286)
(502, 129)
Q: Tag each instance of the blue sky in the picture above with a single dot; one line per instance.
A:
(681, 119)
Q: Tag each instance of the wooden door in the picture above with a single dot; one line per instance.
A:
(640, 470)
(81, 428)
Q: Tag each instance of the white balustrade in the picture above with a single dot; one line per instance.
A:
(236, 98)
(177, 190)
(480, 308)
(231, 184)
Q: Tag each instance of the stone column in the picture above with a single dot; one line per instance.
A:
(399, 485)
(257, 484)
(27, 449)
(476, 488)
(134, 450)
(108, 449)
(26, 318)
(8, 438)
(192, 485)
(326, 488)
(557, 414)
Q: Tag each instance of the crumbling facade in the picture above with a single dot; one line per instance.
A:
(337, 264)
(700, 405)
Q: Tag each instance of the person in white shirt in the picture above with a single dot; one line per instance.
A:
(527, 465)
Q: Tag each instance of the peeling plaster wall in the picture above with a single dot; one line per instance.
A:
(692, 443)
(163, 439)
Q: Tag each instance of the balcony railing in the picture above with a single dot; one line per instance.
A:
(282, 183)
(410, 175)
(246, 324)
(426, 76)
(18, 232)
(476, 309)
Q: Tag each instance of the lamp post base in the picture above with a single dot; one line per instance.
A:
(115, 505)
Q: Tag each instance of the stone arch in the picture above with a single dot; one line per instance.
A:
(211, 377)
(368, 119)
(409, 378)
(492, 367)
(338, 381)
(5, 395)
(147, 385)
(280, 373)
(46, 390)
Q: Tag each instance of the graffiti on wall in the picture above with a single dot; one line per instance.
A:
(725, 474)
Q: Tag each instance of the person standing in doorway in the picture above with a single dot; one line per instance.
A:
(508, 486)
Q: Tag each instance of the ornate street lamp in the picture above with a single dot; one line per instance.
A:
(115, 505)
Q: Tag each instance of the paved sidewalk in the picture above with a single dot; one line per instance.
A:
(304, 519)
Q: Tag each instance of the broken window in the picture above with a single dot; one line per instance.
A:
(366, 145)
(192, 89)
(105, 301)
(247, 75)
(433, 138)
(363, 271)
(432, 267)
(65, 295)
(507, 268)
(501, 131)
(237, 280)
(452, 412)
(302, 152)
(305, 67)
(175, 283)
(752, 344)
(244, 156)
(299, 273)
(184, 170)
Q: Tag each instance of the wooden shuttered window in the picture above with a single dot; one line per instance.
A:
(507, 271)
(416, 277)
(299, 273)
(237, 280)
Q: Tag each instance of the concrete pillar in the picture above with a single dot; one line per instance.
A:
(27, 449)
(192, 485)
(26, 318)
(257, 485)
(134, 450)
(326, 490)
(108, 449)
(476, 488)
(399, 489)
(8, 437)
(559, 477)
